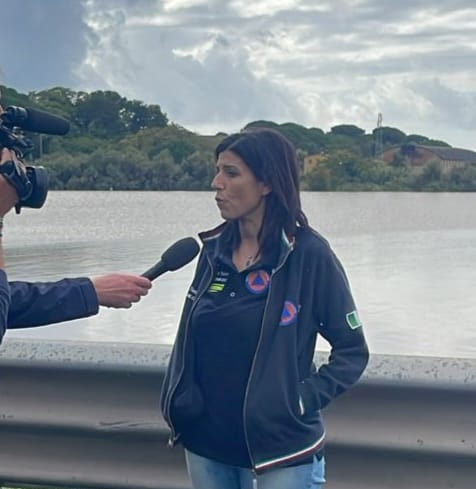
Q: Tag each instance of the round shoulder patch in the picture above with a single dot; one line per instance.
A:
(257, 281)
(289, 314)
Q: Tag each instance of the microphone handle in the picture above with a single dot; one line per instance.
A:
(158, 269)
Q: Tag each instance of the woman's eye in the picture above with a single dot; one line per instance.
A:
(230, 172)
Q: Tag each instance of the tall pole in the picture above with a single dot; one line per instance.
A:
(378, 136)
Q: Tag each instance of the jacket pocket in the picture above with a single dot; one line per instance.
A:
(308, 407)
(187, 406)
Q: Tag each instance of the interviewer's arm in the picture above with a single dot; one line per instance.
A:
(4, 303)
(29, 304)
(41, 303)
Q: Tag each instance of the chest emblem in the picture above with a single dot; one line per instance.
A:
(219, 281)
(257, 281)
(289, 314)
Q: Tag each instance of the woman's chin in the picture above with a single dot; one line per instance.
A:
(225, 215)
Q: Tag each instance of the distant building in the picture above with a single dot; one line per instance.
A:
(310, 161)
(418, 155)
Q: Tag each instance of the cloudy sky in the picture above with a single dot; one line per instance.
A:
(214, 65)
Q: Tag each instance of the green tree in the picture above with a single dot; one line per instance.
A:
(117, 143)
(59, 101)
(197, 171)
(347, 130)
(136, 115)
(99, 113)
(461, 179)
(10, 96)
(416, 139)
(162, 173)
(429, 178)
(61, 168)
(391, 135)
(262, 123)
(319, 178)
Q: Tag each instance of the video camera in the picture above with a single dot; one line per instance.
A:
(31, 182)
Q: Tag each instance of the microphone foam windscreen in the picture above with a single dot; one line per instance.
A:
(39, 121)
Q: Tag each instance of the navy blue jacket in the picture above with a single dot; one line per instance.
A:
(28, 304)
(308, 295)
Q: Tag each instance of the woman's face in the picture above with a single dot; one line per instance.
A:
(239, 195)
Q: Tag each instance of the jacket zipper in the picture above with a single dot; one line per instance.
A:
(248, 445)
(173, 435)
(290, 456)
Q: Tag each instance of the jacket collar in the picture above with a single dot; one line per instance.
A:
(213, 246)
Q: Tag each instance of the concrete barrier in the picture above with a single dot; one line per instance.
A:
(86, 415)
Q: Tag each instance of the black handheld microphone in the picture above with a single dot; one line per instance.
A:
(174, 257)
(35, 121)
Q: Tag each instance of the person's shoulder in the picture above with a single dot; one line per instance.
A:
(317, 252)
(3, 279)
(308, 240)
(214, 233)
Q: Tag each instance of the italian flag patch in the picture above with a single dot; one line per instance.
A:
(353, 320)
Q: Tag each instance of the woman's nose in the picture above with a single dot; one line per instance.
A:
(216, 182)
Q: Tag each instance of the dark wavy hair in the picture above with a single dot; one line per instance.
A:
(272, 159)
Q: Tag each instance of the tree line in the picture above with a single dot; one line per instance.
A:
(121, 144)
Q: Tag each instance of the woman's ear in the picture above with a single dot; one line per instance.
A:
(266, 189)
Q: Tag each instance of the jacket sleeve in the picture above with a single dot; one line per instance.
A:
(4, 302)
(340, 325)
(40, 303)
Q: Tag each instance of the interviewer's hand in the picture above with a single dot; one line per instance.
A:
(120, 290)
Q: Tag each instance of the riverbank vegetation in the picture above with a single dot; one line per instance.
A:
(121, 144)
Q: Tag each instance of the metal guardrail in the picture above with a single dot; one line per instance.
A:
(86, 415)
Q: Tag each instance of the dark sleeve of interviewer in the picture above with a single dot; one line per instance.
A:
(40, 303)
(4, 302)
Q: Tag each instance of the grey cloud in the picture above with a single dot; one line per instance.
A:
(149, 62)
(41, 42)
(449, 61)
(331, 49)
(221, 92)
(450, 106)
(212, 66)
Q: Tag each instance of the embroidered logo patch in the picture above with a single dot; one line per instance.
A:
(219, 282)
(216, 287)
(353, 320)
(289, 314)
(257, 281)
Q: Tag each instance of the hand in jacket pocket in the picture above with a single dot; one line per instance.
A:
(307, 399)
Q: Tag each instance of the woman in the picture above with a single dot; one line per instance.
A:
(241, 392)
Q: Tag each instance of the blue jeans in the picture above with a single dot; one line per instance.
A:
(208, 474)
